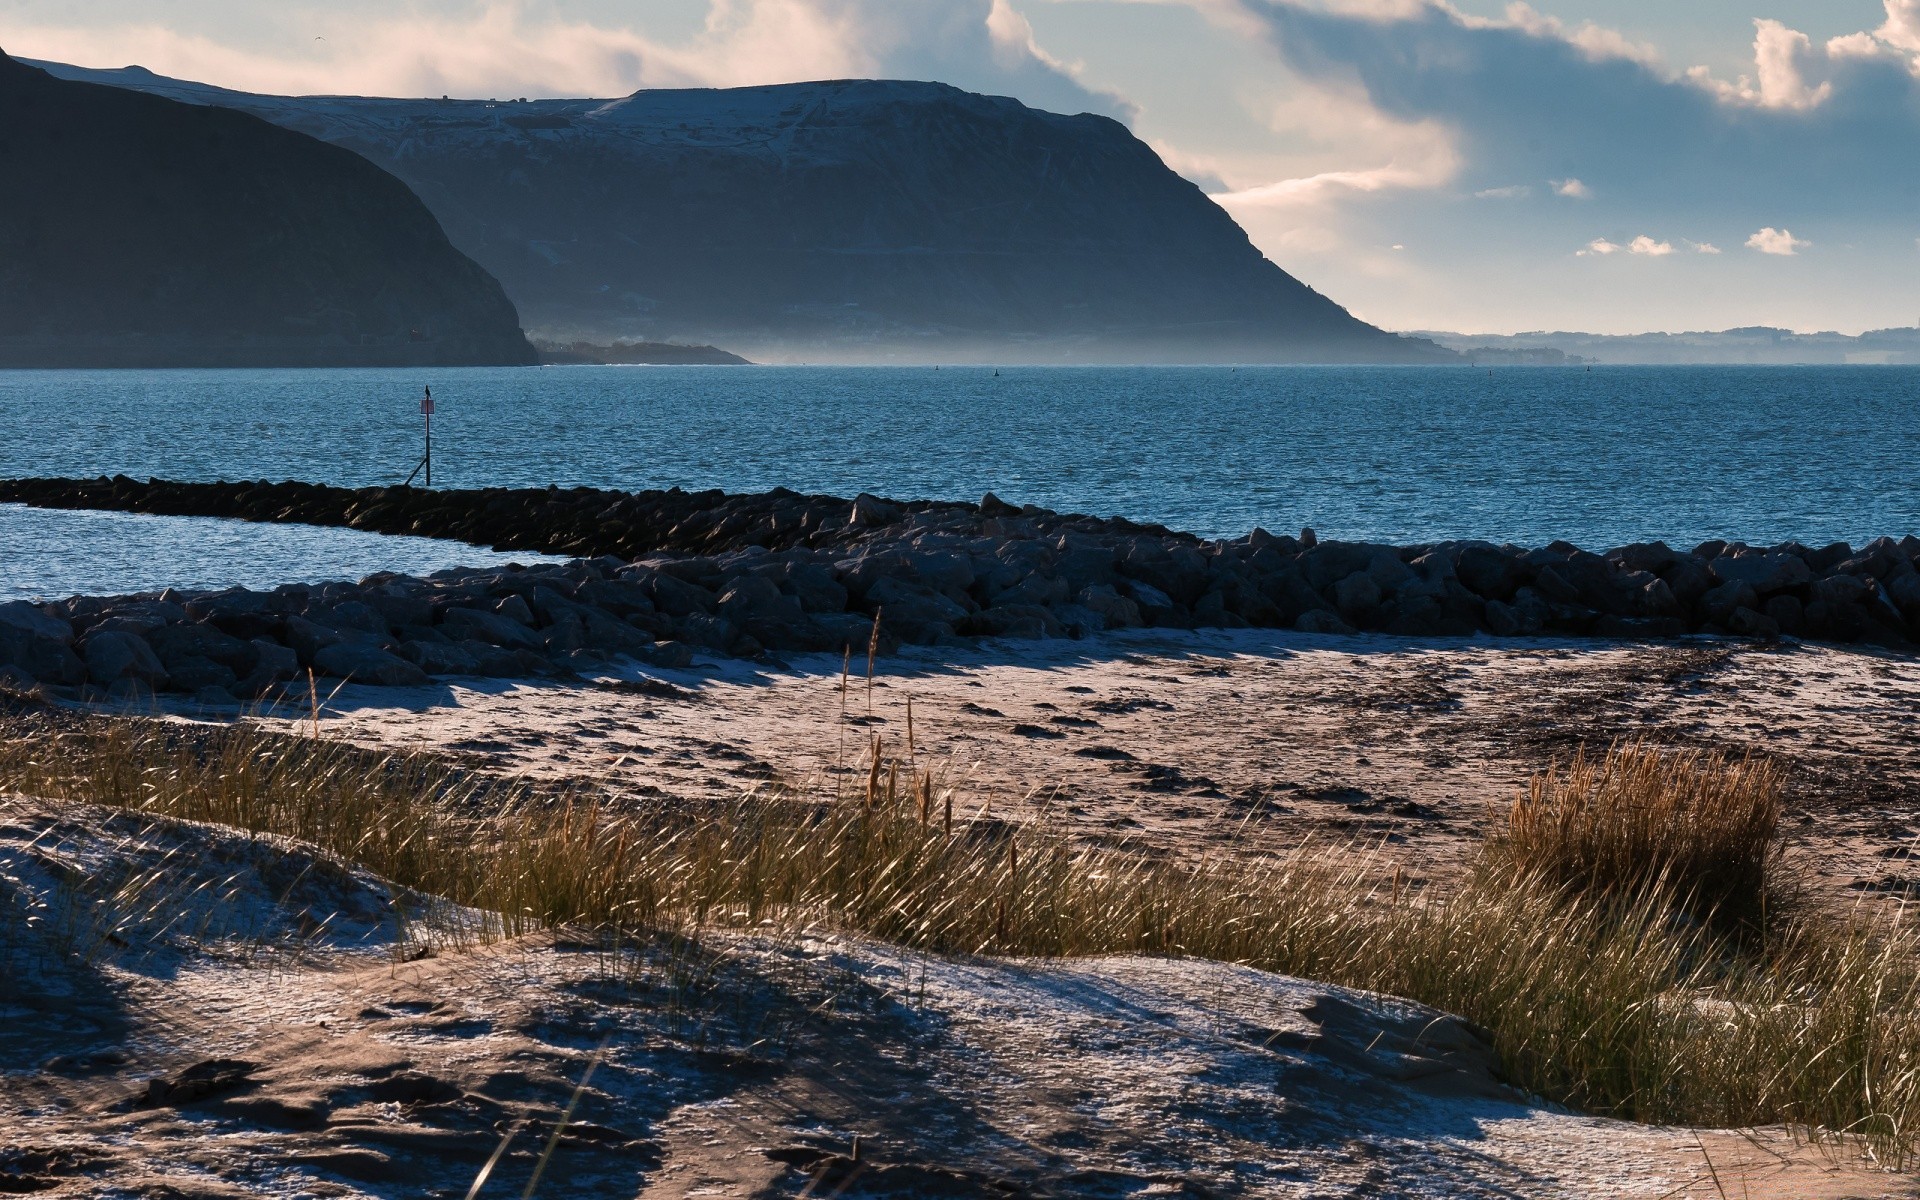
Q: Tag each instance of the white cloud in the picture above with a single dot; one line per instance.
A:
(1598, 246)
(1903, 25)
(1776, 241)
(1647, 246)
(1518, 191)
(1572, 189)
(521, 48)
(1702, 247)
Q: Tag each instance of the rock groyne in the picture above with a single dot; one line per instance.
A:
(660, 574)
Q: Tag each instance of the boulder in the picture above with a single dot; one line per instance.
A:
(174, 643)
(113, 655)
(360, 663)
(1078, 620)
(1115, 611)
(479, 625)
(47, 659)
(514, 608)
(1718, 605)
(1839, 590)
(440, 658)
(1156, 607)
(1766, 572)
(872, 511)
(906, 601)
(35, 622)
(1488, 571)
(852, 633)
(1689, 579)
(192, 673)
(1748, 623)
(1787, 612)
(1356, 597)
(1321, 620)
(1016, 621)
(306, 638)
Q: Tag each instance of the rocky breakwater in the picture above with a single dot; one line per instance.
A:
(661, 575)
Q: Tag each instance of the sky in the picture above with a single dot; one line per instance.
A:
(1612, 166)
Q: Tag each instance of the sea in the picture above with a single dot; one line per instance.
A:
(1598, 456)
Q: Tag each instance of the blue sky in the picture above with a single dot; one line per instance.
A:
(1608, 165)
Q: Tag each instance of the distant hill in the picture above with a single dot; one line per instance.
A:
(664, 354)
(850, 220)
(1757, 344)
(138, 231)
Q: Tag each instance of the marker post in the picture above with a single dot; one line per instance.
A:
(426, 461)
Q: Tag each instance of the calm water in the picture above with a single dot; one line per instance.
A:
(47, 554)
(1598, 457)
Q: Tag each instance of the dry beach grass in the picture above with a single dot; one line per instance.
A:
(1577, 940)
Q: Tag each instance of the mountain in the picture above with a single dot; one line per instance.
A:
(851, 220)
(139, 231)
(1753, 344)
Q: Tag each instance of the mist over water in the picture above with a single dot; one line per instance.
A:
(1397, 454)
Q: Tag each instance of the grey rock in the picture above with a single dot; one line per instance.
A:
(1504, 620)
(48, 659)
(1765, 572)
(1689, 579)
(191, 673)
(1656, 599)
(1839, 590)
(1356, 597)
(1787, 612)
(478, 624)
(36, 622)
(1155, 605)
(567, 635)
(307, 638)
(670, 654)
(620, 596)
(1904, 590)
(1748, 623)
(1488, 571)
(358, 614)
(1035, 589)
(398, 606)
(1416, 616)
(440, 658)
(819, 592)
(1719, 604)
(514, 608)
(362, 663)
(195, 641)
(853, 633)
(907, 601)
(1115, 611)
(1017, 621)
(871, 510)
(708, 631)
(112, 655)
(1320, 620)
(1078, 620)
(676, 597)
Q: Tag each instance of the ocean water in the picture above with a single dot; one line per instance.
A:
(1599, 457)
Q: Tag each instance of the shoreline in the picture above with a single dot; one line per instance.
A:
(660, 576)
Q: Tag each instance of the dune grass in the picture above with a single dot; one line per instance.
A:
(1700, 830)
(1601, 989)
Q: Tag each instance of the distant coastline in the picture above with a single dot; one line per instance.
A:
(1753, 345)
(635, 353)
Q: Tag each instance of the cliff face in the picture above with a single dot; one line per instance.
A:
(847, 219)
(138, 231)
